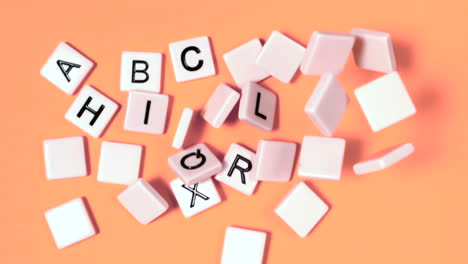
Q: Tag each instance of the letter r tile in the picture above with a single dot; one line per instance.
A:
(195, 164)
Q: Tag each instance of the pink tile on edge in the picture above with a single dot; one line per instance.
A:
(327, 104)
(275, 160)
(373, 50)
(143, 202)
(384, 161)
(242, 65)
(327, 52)
(195, 164)
(220, 105)
(146, 112)
(281, 56)
(257, 106)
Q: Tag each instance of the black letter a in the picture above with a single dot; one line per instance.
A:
(69, 67)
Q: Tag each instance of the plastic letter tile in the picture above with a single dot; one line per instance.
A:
(220, 105)
(196, 198)
(321, 157)
(146, 112)
(385, 101)
(91, 111)
(143, 202)
(238, 169)
(384, 161)
(257, 106)
(275, 160)
(192, 59)
(242, 65)
(243, 246)
(70, 223)
(65, 158)
(141, 71)
(67, 68)
(281, 56)
(373, 50)
(182, 128)
(327, 52)
(119, 163)
(327, 104)
(195, 164)
(302, 209)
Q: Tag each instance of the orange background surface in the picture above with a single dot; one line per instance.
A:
(414, 212)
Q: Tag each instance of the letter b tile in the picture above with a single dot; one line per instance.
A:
(192, 59)
(141, 71)
(91, 111)
(195, 164)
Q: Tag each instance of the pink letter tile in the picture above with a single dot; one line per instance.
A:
(146, 112)
(257, 106)
(195, 164)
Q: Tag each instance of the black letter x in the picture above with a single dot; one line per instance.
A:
(195, 193)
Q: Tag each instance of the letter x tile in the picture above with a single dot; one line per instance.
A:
(194, 199)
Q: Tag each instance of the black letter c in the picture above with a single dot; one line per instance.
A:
(184, 62)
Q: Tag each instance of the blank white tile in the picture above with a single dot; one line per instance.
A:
(91, 111)
(69, 223)
(192, 202)
(65, 158)
(192, 59)
(243, 246)
(182, 128)
(141, 71)
(302, 209)
(385, 101)
(67, 68)
(281, 56)
(242, 65)
(385, 160)
(119, 163)
(327, 104)
(146, 112)
(238, 169)
(321, 157)
(143, 202)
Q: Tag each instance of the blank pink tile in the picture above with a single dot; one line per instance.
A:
(146, 112)
(327, 104)
(65, 158)
(384, 161)
(242, 65)
(373, 50)
(321, 157)
(275, 160)
(327, 52)
(281, 56)
(143, 202)
(257, 106)
(195, 164)
(220, 105)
